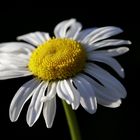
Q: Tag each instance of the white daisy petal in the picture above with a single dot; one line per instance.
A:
(20, 98)
(74, 30)
(49, 111)
(2, 67)
(105, 97)
(51, 92)
(60, 30)
(118, 51)
(14, 61)
(72, 93)
(16, 48)
(61, 93)
(101, 33)
(88, 99)
(8, 59)
(105, 33)
(13, 67)
(36, 105)
(36, 38)
(75, 104)
(10, 74)
(67, 93)
(111, 52)
(107, 103)
(105, 78)
(45, 35)
(40, 36)
(101, 91)
(66, 83)
(6, 66)
(109, 61)
(106, 43)
(82, 34)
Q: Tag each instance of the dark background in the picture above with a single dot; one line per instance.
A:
(107, 124)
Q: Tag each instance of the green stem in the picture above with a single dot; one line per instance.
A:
(72, 121)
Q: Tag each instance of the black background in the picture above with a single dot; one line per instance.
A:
(107, 124)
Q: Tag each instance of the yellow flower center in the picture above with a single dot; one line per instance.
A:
(57, 59)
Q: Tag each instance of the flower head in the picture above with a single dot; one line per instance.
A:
(64, 65)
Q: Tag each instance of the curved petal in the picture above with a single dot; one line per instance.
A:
(49, 111)
(61, 93)
(106, 79)
(74, 30)
(35, 38)
(106, 43)
(68, 28)
(51, 91)
(67, 92)
(20, 98)
(101, 33)
(61, 28)
(109, 61)
(75, 104)
(36, 105)
(70, 94)
(66, 84)
(88, 99)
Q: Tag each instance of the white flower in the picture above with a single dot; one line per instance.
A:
(64, 66)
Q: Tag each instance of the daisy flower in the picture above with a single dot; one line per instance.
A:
(64, 66)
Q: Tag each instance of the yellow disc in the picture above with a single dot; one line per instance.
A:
(57, 59)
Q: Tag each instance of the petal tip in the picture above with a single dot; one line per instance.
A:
(129, 42)
(30, 123)
(12, 115)
(12, 119)
(93, 111)
(49, 125)
(115, 104)
(127, 49)
(73, 19)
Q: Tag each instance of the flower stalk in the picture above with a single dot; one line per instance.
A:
(72, 122)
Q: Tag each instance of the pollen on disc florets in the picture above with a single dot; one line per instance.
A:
(57, 59)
